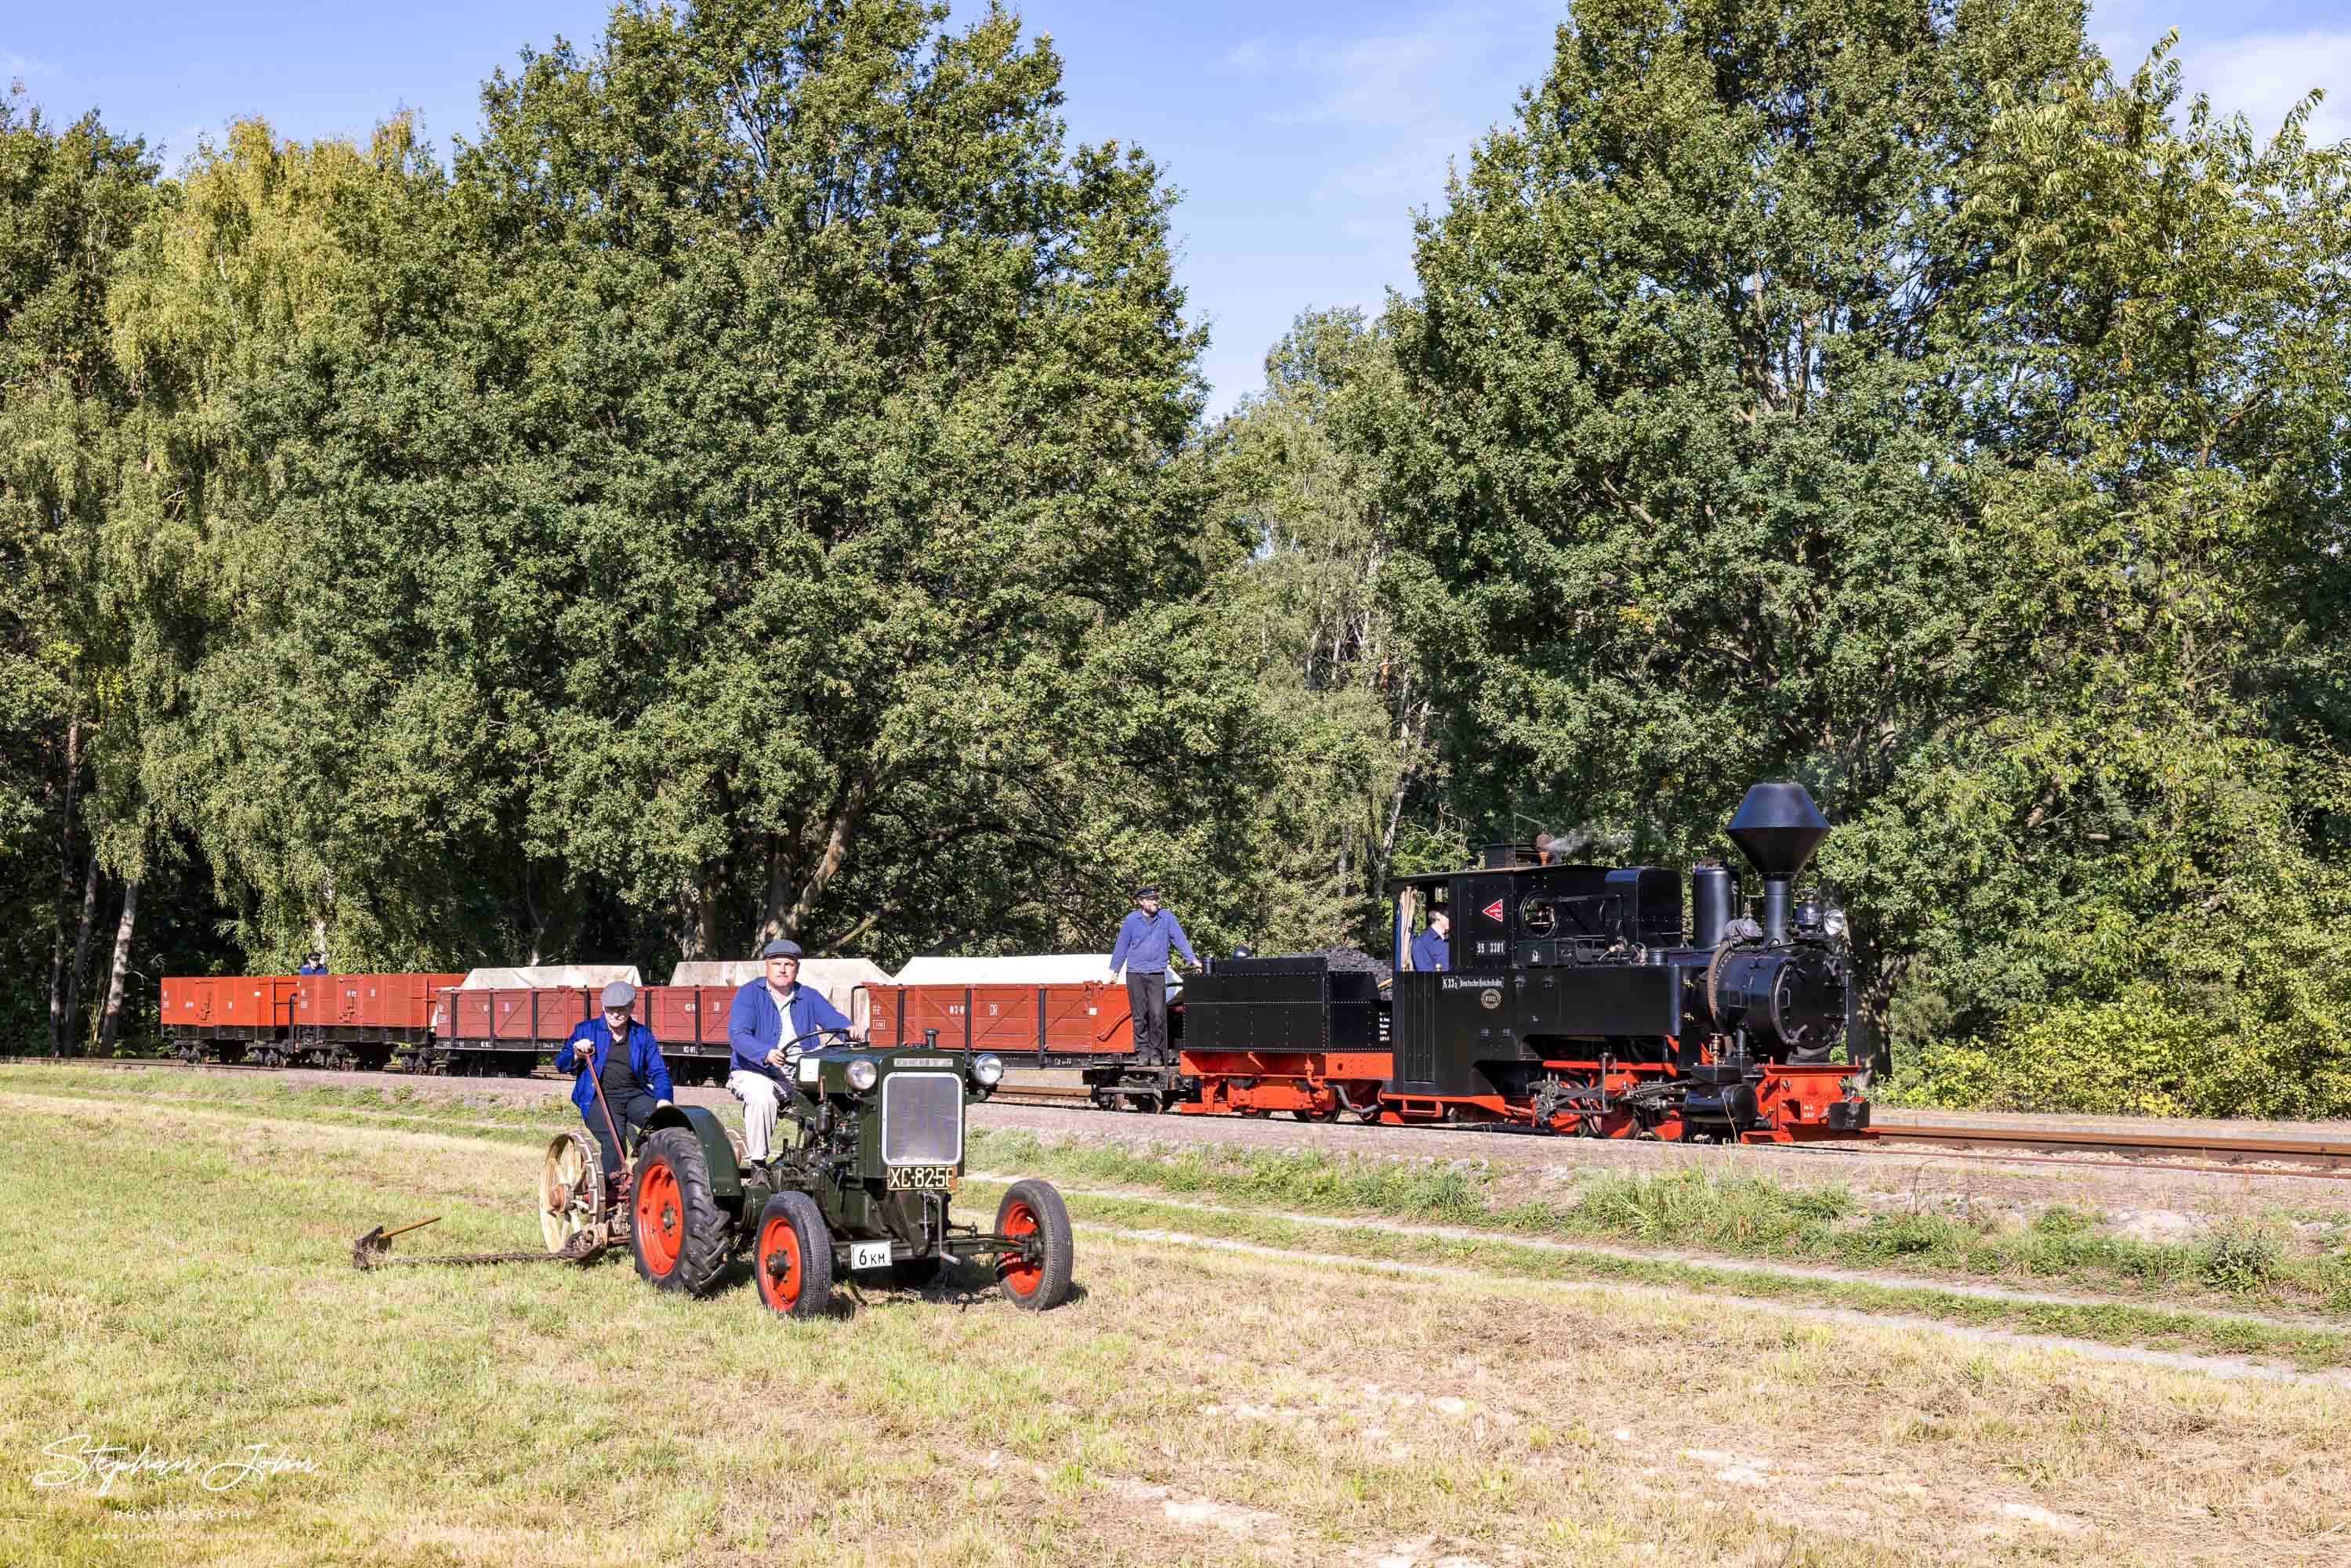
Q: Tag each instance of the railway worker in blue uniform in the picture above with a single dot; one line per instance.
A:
(1144, 938)
(636, 1078)
(1432, 950)
(768, 1015)
(316, 964)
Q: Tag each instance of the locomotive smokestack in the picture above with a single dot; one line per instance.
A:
(1777, 827)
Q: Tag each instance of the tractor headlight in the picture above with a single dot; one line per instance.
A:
(862, 1075)
(988, 1069)
(1833, 922)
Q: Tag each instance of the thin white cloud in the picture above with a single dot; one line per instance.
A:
(13, 64)
(1392, 80)
(1253, 57)
(2263, 74)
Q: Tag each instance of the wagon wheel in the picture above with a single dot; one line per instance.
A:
(570, 1191)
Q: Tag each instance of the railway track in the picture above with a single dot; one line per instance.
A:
(2325, 1156)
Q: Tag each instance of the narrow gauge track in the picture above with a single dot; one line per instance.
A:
(2326, 1157)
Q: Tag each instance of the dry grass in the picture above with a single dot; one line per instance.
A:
(184, 1285)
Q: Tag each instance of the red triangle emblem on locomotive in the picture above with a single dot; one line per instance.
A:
(1493, 912)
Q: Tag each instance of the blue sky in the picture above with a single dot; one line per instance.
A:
(1303, 135)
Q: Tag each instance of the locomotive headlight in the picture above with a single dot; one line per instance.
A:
(988, 1069)
(862, 1075)
(1833, 922)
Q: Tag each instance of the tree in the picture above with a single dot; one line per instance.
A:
(69, 202)
(773, 394)
(1887, 398)
(1296, 474)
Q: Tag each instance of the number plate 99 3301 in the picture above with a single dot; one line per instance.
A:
(922, 1178)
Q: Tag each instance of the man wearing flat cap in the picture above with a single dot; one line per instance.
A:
(636, 1078)
(768, 1015)
(1144, 938)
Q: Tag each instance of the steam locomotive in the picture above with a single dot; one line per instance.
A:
(1578, 1000)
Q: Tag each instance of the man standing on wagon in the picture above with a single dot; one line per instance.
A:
(636, 1078)
(767, 1015)
(1144, 938)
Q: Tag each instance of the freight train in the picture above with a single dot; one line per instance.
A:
(1596, 1000)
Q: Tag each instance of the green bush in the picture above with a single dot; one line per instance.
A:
(2141, 1055)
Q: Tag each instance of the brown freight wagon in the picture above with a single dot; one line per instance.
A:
(363, 1020)
(230, 1017)
(510, 1030)
(1081, 1026)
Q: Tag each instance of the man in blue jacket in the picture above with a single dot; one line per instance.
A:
(636, 1078)
(767, 1014)
(1144, 938)
(1433, 949)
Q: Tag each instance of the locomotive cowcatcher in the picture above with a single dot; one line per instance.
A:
(1577, 1000)
(873, 1155)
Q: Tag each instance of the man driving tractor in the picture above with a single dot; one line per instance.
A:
(768, 1015)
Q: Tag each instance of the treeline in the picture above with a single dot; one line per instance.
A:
(761, 486)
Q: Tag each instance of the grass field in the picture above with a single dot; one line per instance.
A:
(175, 1285)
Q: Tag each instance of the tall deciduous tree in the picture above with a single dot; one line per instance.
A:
(776, 396)
(1883, 395)
(71, 199)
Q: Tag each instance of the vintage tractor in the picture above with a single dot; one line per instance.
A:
(872, 1154)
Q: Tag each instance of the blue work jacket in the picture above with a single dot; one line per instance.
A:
(754, 1028)
(1431, 952)
(1142, 942)
(645, 1059)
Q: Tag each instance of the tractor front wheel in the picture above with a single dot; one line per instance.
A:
(793, 1258)
(1032, 1209)
(679, 1233)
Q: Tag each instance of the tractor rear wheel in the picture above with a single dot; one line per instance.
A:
(1032, 1208)
(792, 1259)
(679, 1233)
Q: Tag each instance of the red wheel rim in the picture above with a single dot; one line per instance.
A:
(657, 1218)
(1019, 1276)
(779, 1264)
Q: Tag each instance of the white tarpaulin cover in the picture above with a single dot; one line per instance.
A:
(1018, 969)
(836, 979)
(550, 974)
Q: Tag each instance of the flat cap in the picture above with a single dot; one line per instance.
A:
(1148, 890)
(619, 994)
(781, 948)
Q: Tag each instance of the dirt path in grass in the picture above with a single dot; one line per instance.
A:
(1716, 1261)
(2152, 1204)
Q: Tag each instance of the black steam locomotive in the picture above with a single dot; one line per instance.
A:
(1579, 998)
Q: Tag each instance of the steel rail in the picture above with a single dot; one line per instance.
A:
(2325, 1156)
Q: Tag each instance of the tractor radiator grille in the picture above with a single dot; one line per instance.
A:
(922, 1119)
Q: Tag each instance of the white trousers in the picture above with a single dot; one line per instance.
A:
(759, 1093)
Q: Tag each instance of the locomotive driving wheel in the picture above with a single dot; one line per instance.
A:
(571, 1193)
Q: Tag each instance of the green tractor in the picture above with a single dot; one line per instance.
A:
(873, 1153)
